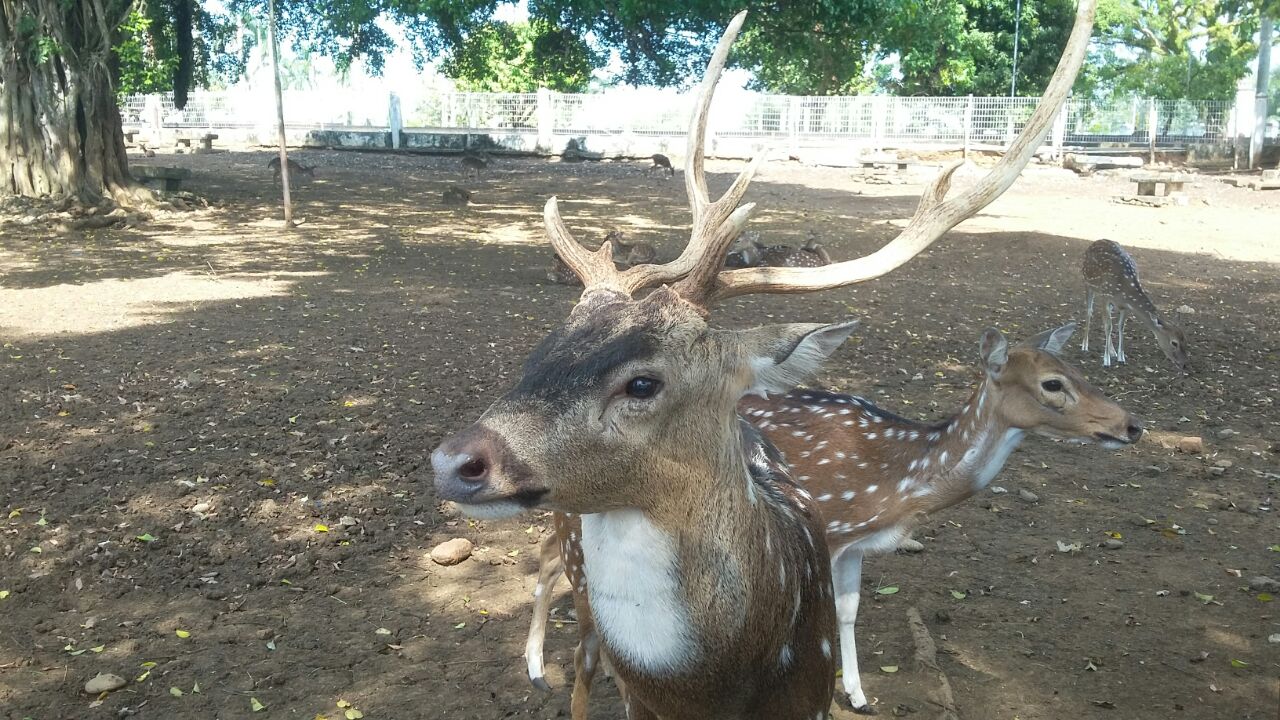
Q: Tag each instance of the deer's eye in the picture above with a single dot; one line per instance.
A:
(643, 388)
(1052, 386)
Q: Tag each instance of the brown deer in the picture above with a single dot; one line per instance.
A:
(1111, 275)
(560, 273)
(629, 253)
(296, 170)
(473, 163)
(662, 163)
(876, 475)
(703, 614)
(713, 235)
(700, 563)
(751, 252)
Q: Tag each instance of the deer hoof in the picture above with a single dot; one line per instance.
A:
(910, 545)
(540, 683)
(844, 701)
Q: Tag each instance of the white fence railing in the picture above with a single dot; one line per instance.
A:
(877, 119)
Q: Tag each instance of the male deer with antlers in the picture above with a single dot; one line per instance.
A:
(876, 476)
(702, 561)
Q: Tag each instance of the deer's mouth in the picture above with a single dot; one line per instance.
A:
(1110, 442)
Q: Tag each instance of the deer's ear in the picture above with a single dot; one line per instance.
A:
(782, 356)
(994, 351)
(1052, 340)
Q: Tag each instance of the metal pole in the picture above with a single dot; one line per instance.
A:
(1017, 29)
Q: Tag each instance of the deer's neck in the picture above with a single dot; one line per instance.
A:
(685, 570)
(960, 457)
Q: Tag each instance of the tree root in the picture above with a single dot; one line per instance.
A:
(926, 657)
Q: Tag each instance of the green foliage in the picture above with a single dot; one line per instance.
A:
(521, 57)
(960, 47)
(1194, 50)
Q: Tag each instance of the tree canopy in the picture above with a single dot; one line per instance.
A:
(1195, 49)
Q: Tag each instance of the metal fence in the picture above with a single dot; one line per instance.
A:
(877, 119)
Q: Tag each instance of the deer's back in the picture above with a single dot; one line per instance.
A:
(1110, 270)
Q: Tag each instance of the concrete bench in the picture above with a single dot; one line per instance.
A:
(1172, 183)
(167, 178)
(886, 163)
(206, 142)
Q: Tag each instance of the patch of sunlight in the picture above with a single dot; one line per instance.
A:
(117, 304)
(1234, 641)
(526, 233)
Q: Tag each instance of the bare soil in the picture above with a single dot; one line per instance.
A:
(215, 434)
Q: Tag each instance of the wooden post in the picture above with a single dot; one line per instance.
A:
(275, 75)
(968, 125)
(1153, 117)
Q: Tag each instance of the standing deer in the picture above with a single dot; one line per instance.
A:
(296, 170)
(541, 477)
(711, 594)
(662, 163)
(876, 475)
(473, 163)
(1111, 275)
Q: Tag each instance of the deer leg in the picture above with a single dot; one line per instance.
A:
(1109, 350)
(550, 567)
(1088, 318)
(846, 575)
(1120, 337)
(586, 659)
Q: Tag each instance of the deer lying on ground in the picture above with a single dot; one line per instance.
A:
(1111, 275)
(455, 196)
(560, 273)
(876, 475)
(296, 170)
(750, 252)
(628, 253)
(662, 163)
(650, 492)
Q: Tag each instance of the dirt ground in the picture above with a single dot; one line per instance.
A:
(214, 444)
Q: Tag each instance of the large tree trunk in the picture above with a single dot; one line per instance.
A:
(60, 132)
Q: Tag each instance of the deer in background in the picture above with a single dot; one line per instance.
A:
(1111, 275)
(876, 476)
(662, 163)
(296, 170)
(751, 252)
(629, 253)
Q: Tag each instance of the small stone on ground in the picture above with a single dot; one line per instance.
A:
(104, 682)
(451, 552)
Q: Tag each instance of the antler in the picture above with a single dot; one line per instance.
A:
(715, 224)
(935, 215)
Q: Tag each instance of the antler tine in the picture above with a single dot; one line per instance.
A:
(715, 224)
(595, 269)
(934, 216)
(695, 179)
